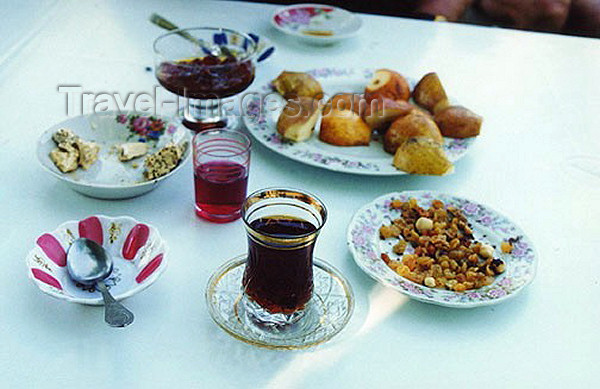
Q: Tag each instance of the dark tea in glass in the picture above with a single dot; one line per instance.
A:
(282, 227)
(280, 281)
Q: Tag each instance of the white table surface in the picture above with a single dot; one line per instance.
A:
(539, 96)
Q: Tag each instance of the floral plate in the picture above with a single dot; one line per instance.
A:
(488, 225)
(316, 23)
(261, 111)
(109, 178)
(138, 251)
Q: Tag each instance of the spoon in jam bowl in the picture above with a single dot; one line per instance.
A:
(167, 25)
(89, 264)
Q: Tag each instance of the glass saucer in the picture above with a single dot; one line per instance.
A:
(331, 307)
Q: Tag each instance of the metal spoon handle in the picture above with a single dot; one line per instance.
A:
(115, 314)
(167, 25)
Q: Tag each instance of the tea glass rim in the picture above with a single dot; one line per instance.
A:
(245, 149)
(323, 211)
(249, 54)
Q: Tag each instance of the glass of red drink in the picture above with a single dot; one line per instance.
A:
(205, 65)
(221, 165)
(282, 226)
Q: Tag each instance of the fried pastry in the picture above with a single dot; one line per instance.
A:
(344, 128)
(346, 101)
(421, 155)
(387, 84)
(458, 122)
(415, 124)
(379, 114)
(298, 118)
(291, 84)
(429, 92)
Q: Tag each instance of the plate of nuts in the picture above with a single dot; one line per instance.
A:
(442, 249)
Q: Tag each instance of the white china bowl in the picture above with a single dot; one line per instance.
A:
(109, 178)
(299, 19)
(134, 269)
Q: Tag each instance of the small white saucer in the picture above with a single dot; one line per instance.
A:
(316, 23)
(139, 257)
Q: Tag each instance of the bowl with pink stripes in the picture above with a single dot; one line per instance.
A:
(139, 257)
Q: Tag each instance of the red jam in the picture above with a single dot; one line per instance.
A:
(207, 77)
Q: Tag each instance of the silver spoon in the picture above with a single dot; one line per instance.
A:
(215, 50)
(89, 264)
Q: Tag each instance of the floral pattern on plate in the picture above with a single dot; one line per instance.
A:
(316, 24)
(295, 18)
(145, 128)
(261, 122)
(138, 252)
(108, 177)
(489, 226)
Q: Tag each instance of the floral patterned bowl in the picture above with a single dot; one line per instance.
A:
(138, 251)
(489, 226)
(109, 178)
(316, 23)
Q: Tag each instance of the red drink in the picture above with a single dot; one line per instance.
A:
(220, 190)
(221, 163)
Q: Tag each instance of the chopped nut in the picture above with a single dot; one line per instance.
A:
(396, 204)
(399, 247)
(459, 287)
(430, 282)
(162, 162)
(444, 254)
(486, 251)
(498, 266)
(424, 224)
(386, 232)
(410, 261)
(454, 243)
(385, 257)
(437, 204)
(506, 247)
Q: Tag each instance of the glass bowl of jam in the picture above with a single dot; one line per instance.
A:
(204, 66)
